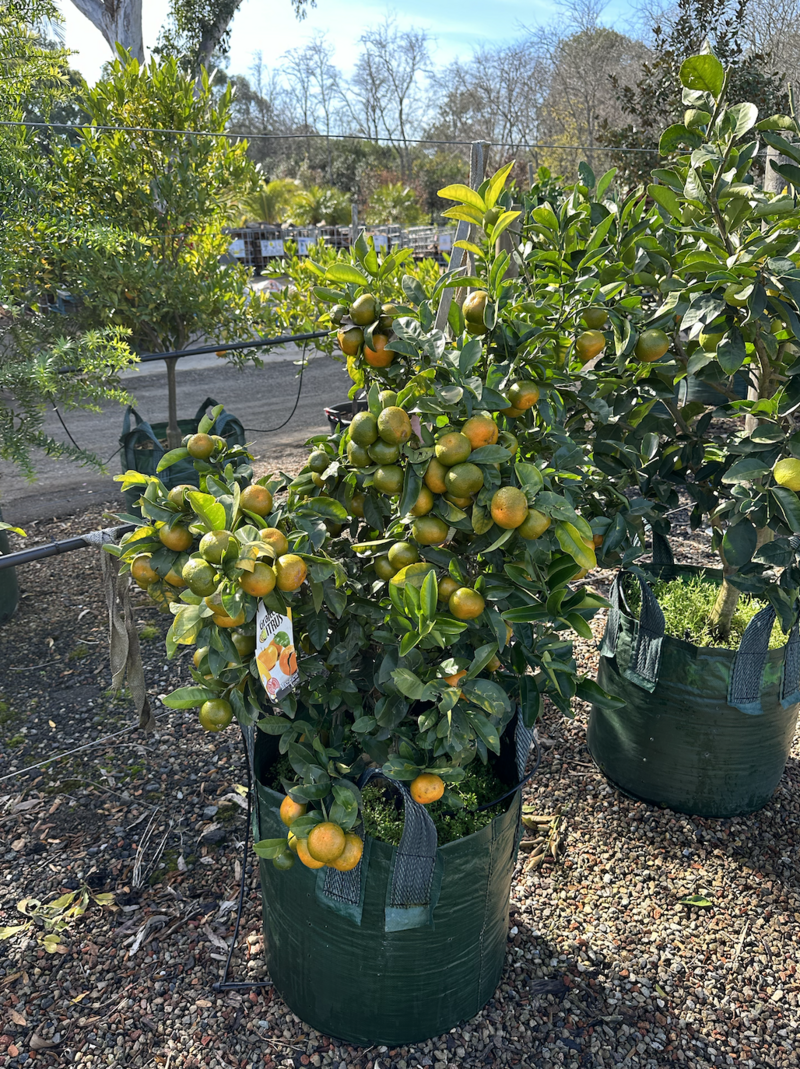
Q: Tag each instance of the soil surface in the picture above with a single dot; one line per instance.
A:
(604, 966)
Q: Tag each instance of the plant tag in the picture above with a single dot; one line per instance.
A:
(275, 653)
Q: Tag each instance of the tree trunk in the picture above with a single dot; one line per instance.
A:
(214, 32)
(119, 21)
(721, 616)
(173, 430)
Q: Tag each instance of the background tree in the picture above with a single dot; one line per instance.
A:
(35, 344)
(141, 232)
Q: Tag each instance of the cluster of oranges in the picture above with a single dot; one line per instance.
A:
(365, 312)
(327, 843)
(650, 345)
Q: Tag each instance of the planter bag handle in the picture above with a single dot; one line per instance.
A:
(662, 551)
(415, 876)
(642, 668)
(226, 425)
(744, 689)
(129, 437)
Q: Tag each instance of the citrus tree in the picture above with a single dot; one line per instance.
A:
(719, 268)
(423, 557)
(141, 211)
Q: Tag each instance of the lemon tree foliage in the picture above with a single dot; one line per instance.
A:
(713, 262)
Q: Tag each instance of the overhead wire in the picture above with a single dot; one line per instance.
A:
(233, 134)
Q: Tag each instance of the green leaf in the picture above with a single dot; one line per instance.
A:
(346, 273)
(739, 543)
(210, 512)
(777, 122)
(188, 697)
(428, 595)
(590, 691)
(269, 848)
(274, 725)
(485, 730)
(742, 117)
(172, 457)
(604, 183)
(529, 476)
(731, 351)
(745, 470)
(489, 454)
(469, 356)
(675, 136)
(579, 625)
(496, 184)
(464, 195)
(481, 519)
(408, 683)
(487, 695)
(465, 213)
(789, 504)
(503, 223)
(481, 658)
(326, 507)
(704, 74)
(696, 900)
(667, 198)
(789, 171)
(571, 542)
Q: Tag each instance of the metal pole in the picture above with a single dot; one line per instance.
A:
(53, 549)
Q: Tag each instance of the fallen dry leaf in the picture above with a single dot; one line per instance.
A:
(18, 1018)
(37, 1043)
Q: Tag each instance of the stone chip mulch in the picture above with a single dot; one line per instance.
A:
(604, 966)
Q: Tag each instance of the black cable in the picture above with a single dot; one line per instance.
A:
(272, 430)
(225, 984)
(66, 429)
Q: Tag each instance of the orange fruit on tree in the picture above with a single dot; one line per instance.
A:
(508, 441)
(383, 453)
(447, 584)
(378, 355)
(452, 447)
(383, 567)
(256, 499)
(290, 810)
(177, 538)
(463, 479)
(304, 855)
(201, 446)
(434, 476)
(534, 525)
(355, 505)
(589, 344)
(350, 340)
(276, 539)
(465, 603)
(459, 502)
(427, 788)
(221, 617)
(351, 855)
(177, 495)
(509, 507)
(290, 571)
(318, 461)
(594, 317)
(216, 546)
(388, 479)
(394, 425)
(481, 430)
(260, 582)
(363, 428)
(651, 346)
(494, 664)
(200, 576)
(429, 531)
(358, 455)
(513, 412)
(285, 861)
(473, 309)
(523, 395)
(175, 579)
(326, 842)
(424, 503)
(364, 310)
(141, 571)
(215, 714)
(401, 554)
(245, 644)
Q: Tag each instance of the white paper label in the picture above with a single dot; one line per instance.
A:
(273, 247)
(236, 247)
(276, 657)
(303, 245)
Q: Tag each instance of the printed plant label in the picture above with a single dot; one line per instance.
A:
(275, 653)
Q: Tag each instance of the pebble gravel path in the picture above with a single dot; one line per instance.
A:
(604, 966)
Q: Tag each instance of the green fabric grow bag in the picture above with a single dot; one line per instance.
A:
(693, 388)
(704, 730)
(9, 588)
(142, 448)
(377, 966)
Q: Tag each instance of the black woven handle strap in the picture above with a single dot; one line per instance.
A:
(645, 660)
(744, 689)
(416, 855)
(662, 551)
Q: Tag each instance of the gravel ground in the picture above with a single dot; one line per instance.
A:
(604, 967)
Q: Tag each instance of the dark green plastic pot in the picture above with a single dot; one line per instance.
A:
(703, 730)
(343, 973)
(9, 588)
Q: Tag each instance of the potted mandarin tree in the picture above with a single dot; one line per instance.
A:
(386, 625)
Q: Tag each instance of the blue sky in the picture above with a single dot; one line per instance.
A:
(271, 27)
